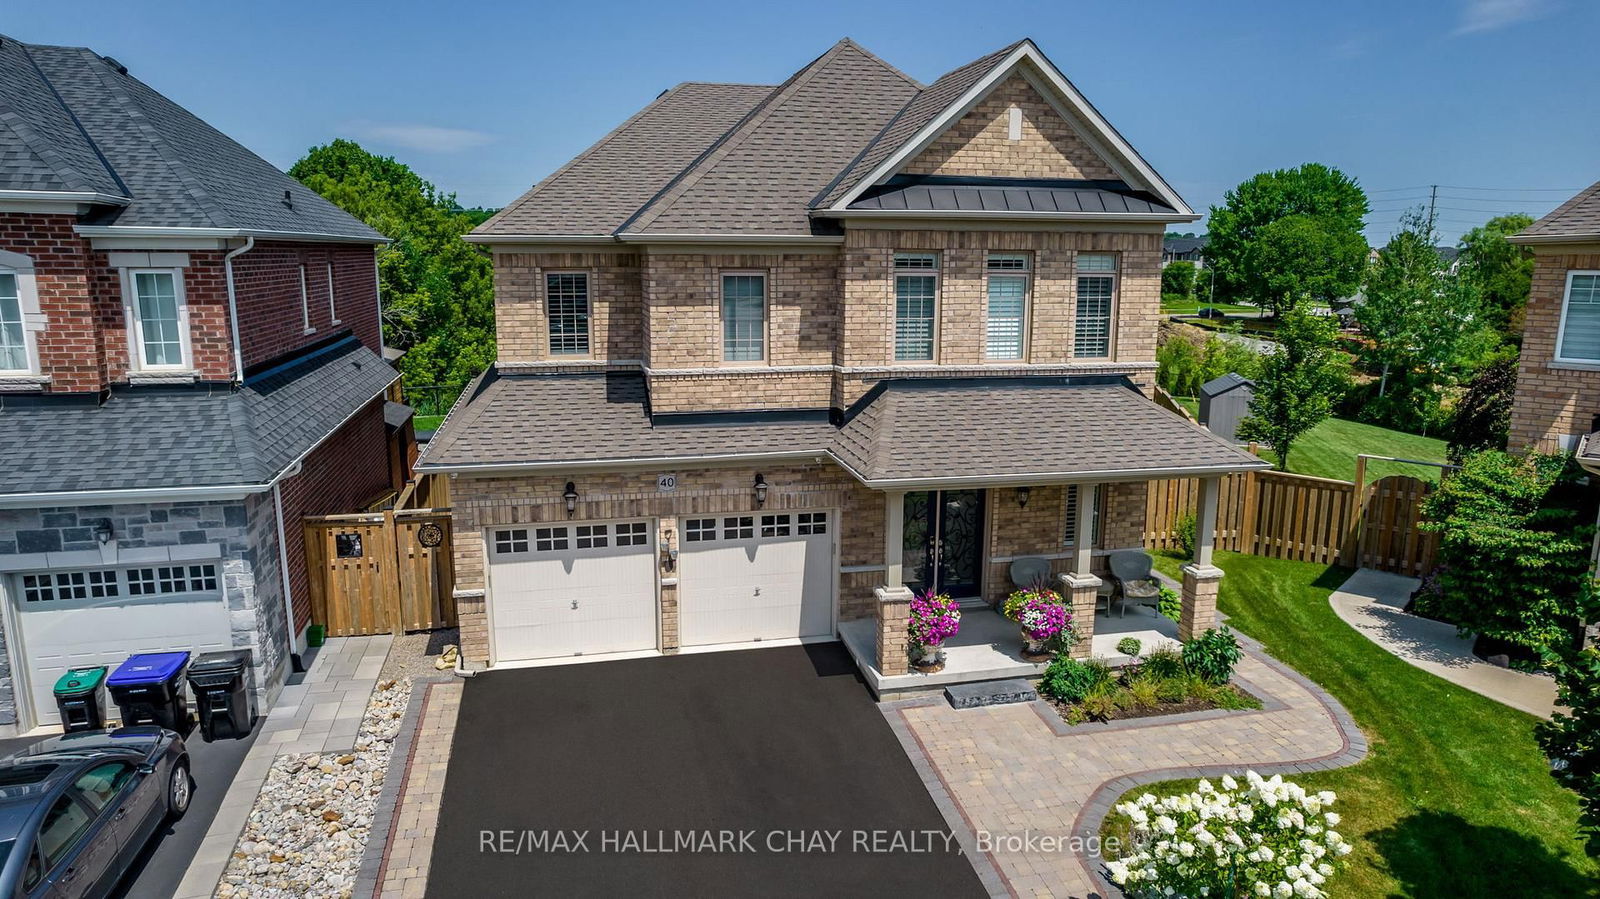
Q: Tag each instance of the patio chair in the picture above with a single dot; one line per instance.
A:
(1030, 571)
(1131, 568)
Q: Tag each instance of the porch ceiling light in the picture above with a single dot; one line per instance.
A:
(102, 531)
(1022, 496)
(571, 496)
(761, 491)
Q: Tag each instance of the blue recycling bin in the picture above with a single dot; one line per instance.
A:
(148, 688)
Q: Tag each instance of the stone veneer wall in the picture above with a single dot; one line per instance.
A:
(245, 531)
(1555, 401)
(980, 143)
(479, 503)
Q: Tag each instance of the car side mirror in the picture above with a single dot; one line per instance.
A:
(146, 769)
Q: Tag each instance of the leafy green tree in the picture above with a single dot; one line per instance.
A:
(1421, 325)
(1298, 384)
(1571, 738)
(1482, 419)
(1261, 260)
(1177, 280)
(437, 290)
(1513, 549)
(1500, 270)
(1182, 364)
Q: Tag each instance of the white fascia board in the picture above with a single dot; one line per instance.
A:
(123, 497)
(93, 231)
(1554, 238)
(538, 238)
(1008, 215)
(158, 243)
(64, 196)
(1085, 111)
(1035, 479)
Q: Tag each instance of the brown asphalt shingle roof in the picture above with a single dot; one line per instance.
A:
(1578, 217)
(905, 430)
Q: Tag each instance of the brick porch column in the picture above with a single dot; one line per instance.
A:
(1079, 592)
(893, 614)
(1200, 577)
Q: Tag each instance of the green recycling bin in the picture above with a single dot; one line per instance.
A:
(80, 700)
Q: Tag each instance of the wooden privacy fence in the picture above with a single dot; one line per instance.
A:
(1304, 518)
(381, 573)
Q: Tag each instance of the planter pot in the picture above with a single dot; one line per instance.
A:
(929, 657)
(1034, 650)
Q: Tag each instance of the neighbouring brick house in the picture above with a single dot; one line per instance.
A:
(190, 361)
(1558, 380)
(770, 356)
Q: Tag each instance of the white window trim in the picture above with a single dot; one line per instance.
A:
(588, 327)
(28, 305)
(1027, 307)
(333, 305)
(722, 317)
(937, 273)
(130, 306)
(1111, 314)
(305, 303)
(1070, 510)
(1561, 323)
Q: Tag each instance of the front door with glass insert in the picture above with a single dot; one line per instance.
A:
(944, 542)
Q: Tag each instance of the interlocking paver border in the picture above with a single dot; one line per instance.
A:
(369, 877)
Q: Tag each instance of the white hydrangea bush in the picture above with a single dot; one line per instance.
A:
(1269, 838)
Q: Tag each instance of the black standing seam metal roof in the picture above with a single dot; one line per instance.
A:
(946, 193)
(150, 437)
(71, 120)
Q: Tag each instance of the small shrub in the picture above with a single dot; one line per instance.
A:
(1070, 680)
(1170, 604)
(1171, 689)
(1099, 706)
(1129, 646)
(1144, 693)
(1212, 655)
(1232, 700)
(1163, 664)
(1185, 527)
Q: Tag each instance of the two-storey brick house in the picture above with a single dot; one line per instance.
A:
(769, 356)
(190, 361)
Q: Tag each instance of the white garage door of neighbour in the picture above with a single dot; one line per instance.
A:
(755, 577)
(74, 619)
(571, 589)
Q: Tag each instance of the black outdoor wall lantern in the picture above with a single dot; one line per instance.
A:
(761, 491)
(571, 496)
(1022, 496)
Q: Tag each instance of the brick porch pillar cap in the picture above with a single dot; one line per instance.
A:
(1076, 581)
(892, 594)
(1203, 572)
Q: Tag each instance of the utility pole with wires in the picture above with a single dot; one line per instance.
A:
(1433, 200)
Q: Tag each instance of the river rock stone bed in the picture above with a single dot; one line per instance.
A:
(306, 834)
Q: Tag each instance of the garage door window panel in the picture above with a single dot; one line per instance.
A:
(775, 525)
(808, 523)
(739, 528)
(699, 530)
(631, 533)
(514, 540)
(550, 539)
(592, 536)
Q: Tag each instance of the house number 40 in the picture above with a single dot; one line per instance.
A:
(666, 483)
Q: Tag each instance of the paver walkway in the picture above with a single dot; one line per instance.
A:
(403, 873)
(320, 713)
(1011, 779)
(1373, 602)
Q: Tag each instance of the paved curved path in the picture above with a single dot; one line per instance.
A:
(1025, 793)
(1373, 602)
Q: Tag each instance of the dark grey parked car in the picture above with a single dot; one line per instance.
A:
(76, 810)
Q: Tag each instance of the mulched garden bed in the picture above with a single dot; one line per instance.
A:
(1072, 713)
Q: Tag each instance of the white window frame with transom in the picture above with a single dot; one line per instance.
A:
(1095, 267)
(1587, 283)
(333, 301)
(574, 338)
(919, 267)
(736, 347)
(20, 317)
(134, 311)
(1005, 338)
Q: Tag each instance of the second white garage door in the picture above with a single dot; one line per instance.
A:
(571, 589)
(745, 578)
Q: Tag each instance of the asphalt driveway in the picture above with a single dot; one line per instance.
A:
(762, 771)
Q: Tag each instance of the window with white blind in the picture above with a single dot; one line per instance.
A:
(1097, 285)
(1070, 537)
(916, 291)
(566, 306)
(14, 355)
(1006, 320)
(744, 313)
(160, 319)
(1579, 337)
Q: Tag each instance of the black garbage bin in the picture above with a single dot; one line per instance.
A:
(79, 700)
(221, 685)
(148, 688)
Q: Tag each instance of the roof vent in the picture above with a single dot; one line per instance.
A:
(119, 67)
(288, 200)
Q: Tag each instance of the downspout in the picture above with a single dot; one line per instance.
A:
(233, 311)
(283, 567)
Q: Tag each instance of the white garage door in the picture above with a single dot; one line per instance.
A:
(74, 619)
(571, 589)
(755, 577)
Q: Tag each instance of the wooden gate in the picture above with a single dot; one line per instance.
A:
(383, 573)
(1389, 538)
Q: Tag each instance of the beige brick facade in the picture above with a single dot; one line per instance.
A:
(615, 304)
(980, 143)
(1555, 401)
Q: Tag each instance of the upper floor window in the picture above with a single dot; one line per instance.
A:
(19, 315)
(1008, 306)
(160, 319)
(744, 310)
(916, 291)
(333, 303)
(1097, 285)
(566, 305)
(305, 303)
(1579, 337)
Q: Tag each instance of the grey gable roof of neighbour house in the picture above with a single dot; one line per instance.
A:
(72, 121)
(1576, 219)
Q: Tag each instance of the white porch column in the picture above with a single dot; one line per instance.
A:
(892, 601)
(894, 537)
(1205, 533)
(1079, 586)
(1200, 577)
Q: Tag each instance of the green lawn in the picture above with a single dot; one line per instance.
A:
(427, 422)
(1190, 307)
(1455, 799)
(1329, 450)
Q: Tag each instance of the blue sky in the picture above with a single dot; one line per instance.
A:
(484, 98)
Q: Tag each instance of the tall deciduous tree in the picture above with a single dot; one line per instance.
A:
(1260, 259)
(1177, 279)
(438, 297)
(1298, 384)
(1501, 271)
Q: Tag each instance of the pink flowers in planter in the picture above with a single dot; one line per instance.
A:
(935, 618)
(1041, 620)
